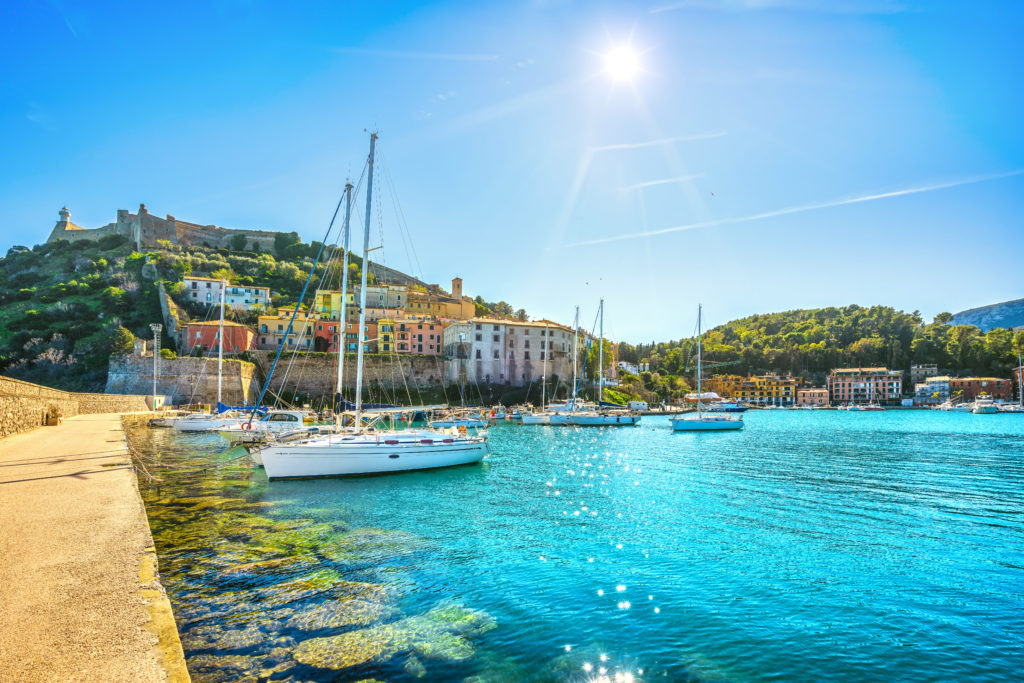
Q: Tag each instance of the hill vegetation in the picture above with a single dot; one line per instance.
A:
(809, 343)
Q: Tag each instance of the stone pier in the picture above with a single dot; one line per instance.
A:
(80, 596)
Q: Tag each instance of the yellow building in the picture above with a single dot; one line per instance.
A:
(756, 389)
(385, 335)
(327, 303)
(270, 329)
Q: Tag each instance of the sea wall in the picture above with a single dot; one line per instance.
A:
(24, 405)
(185, 380)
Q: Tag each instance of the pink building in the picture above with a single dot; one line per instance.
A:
(864, 385)
(423, 337)
(812, 397)
(237, 338)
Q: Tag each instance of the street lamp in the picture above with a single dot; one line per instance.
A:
(156, 327)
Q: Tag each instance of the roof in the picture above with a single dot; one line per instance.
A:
(216, 323)
(978, 379)
(204, 279)
(517, 323)
(851, 371)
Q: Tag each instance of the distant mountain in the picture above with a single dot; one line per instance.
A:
(1006, 314)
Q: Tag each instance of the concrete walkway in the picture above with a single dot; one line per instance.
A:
(79, 595)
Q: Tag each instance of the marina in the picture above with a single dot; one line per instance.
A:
(813, 543)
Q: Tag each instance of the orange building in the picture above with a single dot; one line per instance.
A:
(968, 388)
(237, 337)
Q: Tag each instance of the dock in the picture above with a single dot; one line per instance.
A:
(80, 597)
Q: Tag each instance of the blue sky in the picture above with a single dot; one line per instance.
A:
(770, 155)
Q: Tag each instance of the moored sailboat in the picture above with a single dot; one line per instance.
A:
(705, 421)
(369, 452)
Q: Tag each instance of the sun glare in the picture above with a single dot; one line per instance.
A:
(622, 63)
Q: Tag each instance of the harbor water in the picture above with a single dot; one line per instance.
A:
(861, 546)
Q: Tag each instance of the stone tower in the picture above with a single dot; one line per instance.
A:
(457, 287)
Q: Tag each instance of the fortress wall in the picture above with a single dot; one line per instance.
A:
(315, 374)
(184, 379)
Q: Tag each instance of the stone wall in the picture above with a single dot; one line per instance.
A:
(315, 374)
(24, 405)
(185, 380)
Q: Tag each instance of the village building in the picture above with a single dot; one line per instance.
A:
(206, 335)
(206, 290)
(864, 385)
(814, 397)
(485, 350)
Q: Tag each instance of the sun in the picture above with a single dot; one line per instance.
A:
(622, 63)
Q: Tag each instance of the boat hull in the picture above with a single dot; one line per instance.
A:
(468, 423)
(704, 425)
(985, 410)
(303, 460)
(576, 420)
(528, 419)
(204, 425)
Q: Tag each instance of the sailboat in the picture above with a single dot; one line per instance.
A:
(702, 421)
(369, 452)
(205, 422)
(582, 417)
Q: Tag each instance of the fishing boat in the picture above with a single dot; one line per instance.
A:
(362, 451)
(702, 421)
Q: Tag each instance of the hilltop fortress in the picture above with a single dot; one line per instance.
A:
(146, 230)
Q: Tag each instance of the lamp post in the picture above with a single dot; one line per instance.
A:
(156, 327)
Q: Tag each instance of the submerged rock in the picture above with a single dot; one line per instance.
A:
(339, 614)
(442, 633)
(370, 546)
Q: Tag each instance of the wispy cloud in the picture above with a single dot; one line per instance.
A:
(662, 141)
(824, 6)
(804, 207)
(404, 54)
(664, 181)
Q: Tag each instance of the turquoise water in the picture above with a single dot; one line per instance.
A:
(810, 545)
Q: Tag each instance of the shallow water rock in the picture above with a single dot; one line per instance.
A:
(377, 643)
(217, 668)
(339, 614)
(414, 667)
(370, 546)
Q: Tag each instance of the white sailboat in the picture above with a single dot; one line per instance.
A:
(376, 452)
(597, 417)
(704, 422)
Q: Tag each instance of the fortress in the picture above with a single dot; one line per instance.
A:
(145, 230)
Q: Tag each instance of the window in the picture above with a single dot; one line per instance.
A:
(542, 355)
(478, 326)
(526, 355)
(511, 342)
(495, 328)
(496, 357)
(496, 338)
(478, 354)
(527, 344)
(479, 337)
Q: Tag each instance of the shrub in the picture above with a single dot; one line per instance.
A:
(168, 354)
(122, 341)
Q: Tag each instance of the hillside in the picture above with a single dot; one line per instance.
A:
(65, 306)
(1006, 314)
(809, 343)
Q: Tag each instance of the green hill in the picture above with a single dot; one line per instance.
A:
(811, 342)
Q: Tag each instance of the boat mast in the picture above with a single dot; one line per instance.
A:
(362, 287)
(220, 337)
(544, 371)
(1020, 380)
(699, 407)
(575, 353)
(600, 358)
(344, 288)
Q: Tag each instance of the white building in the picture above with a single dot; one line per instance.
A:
(483, 350)
(206, 290)
(932, 391)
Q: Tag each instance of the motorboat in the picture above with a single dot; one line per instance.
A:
(984, 405)
(723, 406)
(274, 422)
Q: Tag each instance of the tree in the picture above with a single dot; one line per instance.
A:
(122, 341)
(238, 242)
(944, 318)
(521, 315)
(284, 240)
